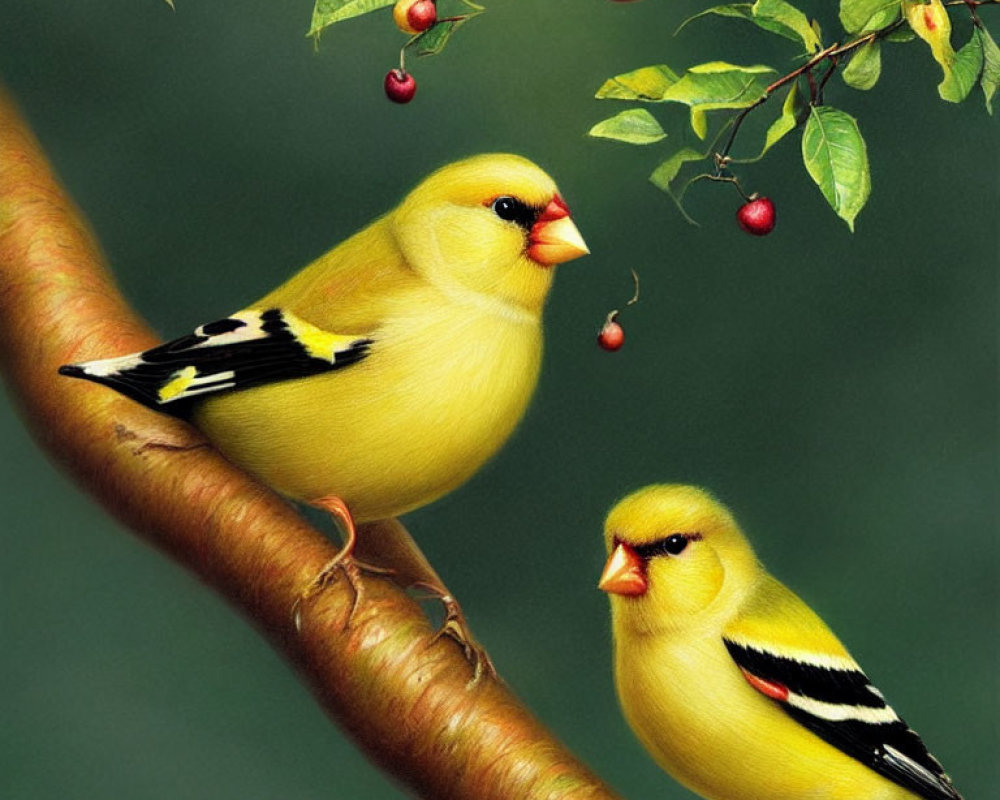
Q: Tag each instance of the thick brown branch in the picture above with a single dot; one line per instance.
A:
(399, 692)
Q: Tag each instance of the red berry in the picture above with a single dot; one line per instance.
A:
(400, 86)
(612, 336)
(421, 15)
(757, 216)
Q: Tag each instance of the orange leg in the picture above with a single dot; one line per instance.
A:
(343, 562)
(337, 509)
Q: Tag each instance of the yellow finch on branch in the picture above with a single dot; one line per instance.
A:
(385, 373)
(734, 685)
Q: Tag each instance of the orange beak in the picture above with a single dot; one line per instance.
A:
(624, 574)
(554, 238)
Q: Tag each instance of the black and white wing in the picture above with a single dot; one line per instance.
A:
(248, 349)
(836, 701)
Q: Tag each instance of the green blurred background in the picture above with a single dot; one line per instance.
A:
(840, 392)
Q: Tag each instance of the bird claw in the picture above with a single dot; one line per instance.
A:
(352, 570)
(344, 562)
(456, 627)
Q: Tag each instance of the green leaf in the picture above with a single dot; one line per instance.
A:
(785, 124)
(991, 67)
(865, 66)
(665, 174)
(902, 34)
(664, 177)
(789, 118)
(786, 20)
(736, 10)
(635, 126)
(862, 16)
(965, 71)
(646, 84)
(433, 40)
(327, 12)
(775, 16)
(835, 156)
(699, 122)
(716, 85)
(724, 67)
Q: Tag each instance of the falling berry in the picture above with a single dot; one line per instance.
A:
(612, 336)
(757, 217)
(400, 86)
(414, 16)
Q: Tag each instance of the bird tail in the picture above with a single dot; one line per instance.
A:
(130, 376)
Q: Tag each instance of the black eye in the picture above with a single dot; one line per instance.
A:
(511, 209)
(672, 545)
(505, 208)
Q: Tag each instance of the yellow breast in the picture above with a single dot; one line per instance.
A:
(443, 388)
(692, 710)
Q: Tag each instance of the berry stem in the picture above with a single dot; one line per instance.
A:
(635, 280)
(826, 76)
(813, 92)
(613, 314)
(734, 181)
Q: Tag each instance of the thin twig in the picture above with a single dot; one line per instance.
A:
(833, 53)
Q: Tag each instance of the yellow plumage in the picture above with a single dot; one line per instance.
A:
(439, 305)
(733, 684)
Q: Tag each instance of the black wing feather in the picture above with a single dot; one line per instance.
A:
(889, 748)
(270, 353)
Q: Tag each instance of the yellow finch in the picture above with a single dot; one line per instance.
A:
(386, 372)
(734, 685)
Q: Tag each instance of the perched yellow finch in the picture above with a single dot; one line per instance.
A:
(734, 685)
(385, 373)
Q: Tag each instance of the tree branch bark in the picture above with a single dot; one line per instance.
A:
(399, 692)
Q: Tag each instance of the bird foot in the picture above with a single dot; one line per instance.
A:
(456, 627)
(343, 562)
(352, 569)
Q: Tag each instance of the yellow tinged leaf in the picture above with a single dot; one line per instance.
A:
(699, 122)
(930, 21)
(725, 66)
(647, 83)
(634, 126)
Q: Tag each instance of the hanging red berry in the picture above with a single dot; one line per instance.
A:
(400, 86)
(757, 216)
